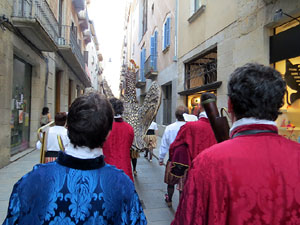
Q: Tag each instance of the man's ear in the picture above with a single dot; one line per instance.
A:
(230, 111)
(229, 105)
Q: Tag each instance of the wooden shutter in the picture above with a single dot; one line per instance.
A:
(155, 51)
(152, 51)
(168, 32)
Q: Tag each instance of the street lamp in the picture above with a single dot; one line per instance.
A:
(279, 13)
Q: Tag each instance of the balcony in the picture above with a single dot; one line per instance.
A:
(35, 20)
(70, 50)
(83, 19)
(140, 81)
(79, 4)
(150, 67)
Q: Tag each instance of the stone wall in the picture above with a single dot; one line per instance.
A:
(244, 40)
(6, 53)
(5, 98)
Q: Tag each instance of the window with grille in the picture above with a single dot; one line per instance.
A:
(202, 70)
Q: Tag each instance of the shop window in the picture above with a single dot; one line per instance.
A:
(286, 26)
(202, 70)
(193, 102)
(20, 106)
(288, 122)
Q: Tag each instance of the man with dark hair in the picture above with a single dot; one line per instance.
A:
(253, 178)
(167, 139)
(192, 138)
(116, 148)
(56, 138)
(78, 188)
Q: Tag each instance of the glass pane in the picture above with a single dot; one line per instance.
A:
(289, 122)
(20, 106)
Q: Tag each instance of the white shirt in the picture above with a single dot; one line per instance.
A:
(153, 126)
(83, 152)
(52, 141)
(168, 138)
(202, 114)
(189, 117)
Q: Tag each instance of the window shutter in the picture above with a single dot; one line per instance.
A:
(144, 60)
(168, 31)
(141, 67)
(155, 51)
(152, 49)
(165, 35)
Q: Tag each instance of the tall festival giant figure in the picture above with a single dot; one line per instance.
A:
(139, 116)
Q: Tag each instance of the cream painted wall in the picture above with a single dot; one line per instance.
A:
(217, 15)
(155, 21)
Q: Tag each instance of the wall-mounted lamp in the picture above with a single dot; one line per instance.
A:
(279, 13)
(3, 19)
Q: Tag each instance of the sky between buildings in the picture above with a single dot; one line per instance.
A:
(108, 17)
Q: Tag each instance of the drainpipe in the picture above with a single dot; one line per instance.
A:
(176, 30)
(46, 81)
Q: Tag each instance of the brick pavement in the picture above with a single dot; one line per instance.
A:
(149, 185)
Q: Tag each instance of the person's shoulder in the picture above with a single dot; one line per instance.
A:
(39, 170)
(289, 144)
(199, 124)
(116, 179)
(170, 126)
(110, 172)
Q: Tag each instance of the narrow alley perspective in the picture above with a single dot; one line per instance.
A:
(135, 112)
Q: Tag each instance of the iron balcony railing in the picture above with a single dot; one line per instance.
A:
(39, 10)
(69, 38)
(150, 65)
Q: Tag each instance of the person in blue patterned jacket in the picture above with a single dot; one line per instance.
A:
(78, 188)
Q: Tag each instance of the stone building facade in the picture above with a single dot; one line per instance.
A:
(150, 44)
(42, 48)
(208, 40)
(215, 37)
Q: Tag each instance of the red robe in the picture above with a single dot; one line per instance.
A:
(116, 148)
(250, 179)
(192, 138)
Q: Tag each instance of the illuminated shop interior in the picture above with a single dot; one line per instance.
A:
(289, 121)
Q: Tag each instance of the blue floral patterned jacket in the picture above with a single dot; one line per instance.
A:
(75, 191)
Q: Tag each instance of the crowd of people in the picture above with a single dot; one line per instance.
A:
(251, 178)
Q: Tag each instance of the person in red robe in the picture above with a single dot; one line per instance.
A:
(116, 148)
(192, 138)
(254, 177)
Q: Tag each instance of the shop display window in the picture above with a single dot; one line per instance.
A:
(193, 103)
(289, 121)
(20, 106)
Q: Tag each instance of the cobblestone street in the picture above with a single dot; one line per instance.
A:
(149, 185)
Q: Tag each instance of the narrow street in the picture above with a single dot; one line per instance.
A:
(149, 185)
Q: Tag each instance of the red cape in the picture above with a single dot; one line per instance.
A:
(116, 148)
(196, 136)
(250, 179)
